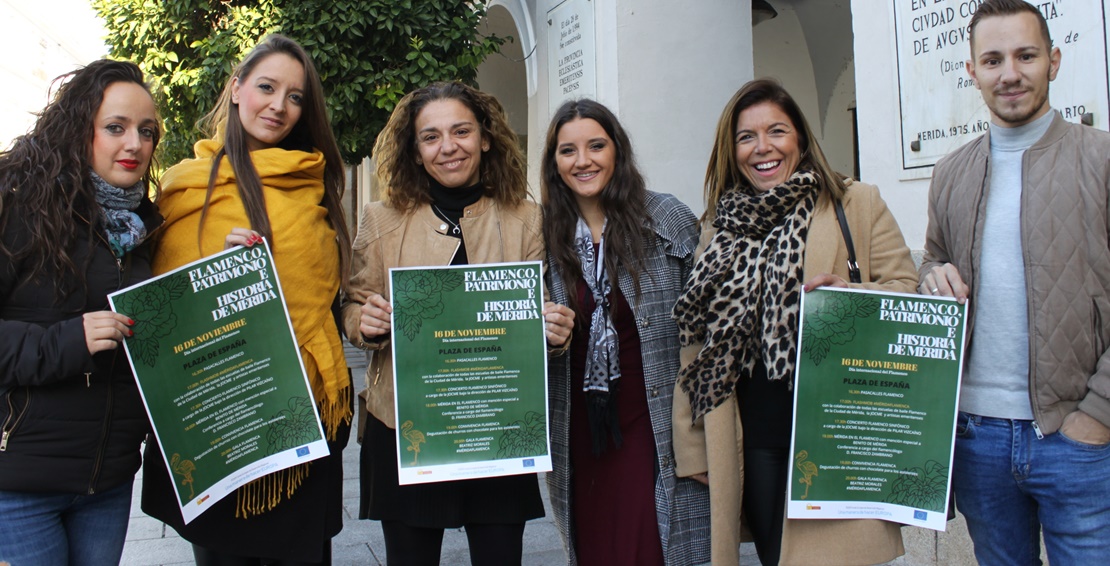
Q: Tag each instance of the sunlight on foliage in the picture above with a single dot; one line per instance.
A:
(369, 53)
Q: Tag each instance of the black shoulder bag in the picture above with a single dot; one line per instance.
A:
(853, 266)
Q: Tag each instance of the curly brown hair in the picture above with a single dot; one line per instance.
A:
(44, 175)
(405, 183)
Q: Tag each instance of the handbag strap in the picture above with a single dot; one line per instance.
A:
(853, 266)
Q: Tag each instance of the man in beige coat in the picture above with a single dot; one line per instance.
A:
(1019, 224)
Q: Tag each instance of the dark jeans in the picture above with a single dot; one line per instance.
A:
(1010, 485)
(55, 529)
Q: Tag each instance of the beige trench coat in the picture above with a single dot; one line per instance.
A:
(715, 445)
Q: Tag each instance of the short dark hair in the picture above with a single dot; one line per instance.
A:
(994, 8)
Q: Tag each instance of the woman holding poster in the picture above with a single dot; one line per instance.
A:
(271, 169)
(619, 255)
(454, 192)
(771, 224)
(74, 217)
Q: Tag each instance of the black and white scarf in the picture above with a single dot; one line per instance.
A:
(742, 300)
(602, 368)
(124, 229)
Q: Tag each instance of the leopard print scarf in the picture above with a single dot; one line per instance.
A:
(742, 300)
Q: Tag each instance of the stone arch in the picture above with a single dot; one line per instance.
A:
(509, 75)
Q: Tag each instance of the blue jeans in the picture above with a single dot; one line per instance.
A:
(1010, 485)
(53, 529)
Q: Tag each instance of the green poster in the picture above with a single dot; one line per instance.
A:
(220, 374)
(469, 371)
(878, 379)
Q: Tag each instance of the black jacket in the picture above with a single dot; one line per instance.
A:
(69, 422)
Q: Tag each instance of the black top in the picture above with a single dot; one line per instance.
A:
(766, 409)
(448, 204)
(451, 202)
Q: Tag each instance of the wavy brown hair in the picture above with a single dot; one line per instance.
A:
(312, 131)
(405, 182)
(623, 201)
(723, 172)
(44, 175)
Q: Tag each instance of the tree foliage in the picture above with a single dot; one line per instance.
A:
(369, 54)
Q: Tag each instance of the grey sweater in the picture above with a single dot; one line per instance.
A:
(996, 381)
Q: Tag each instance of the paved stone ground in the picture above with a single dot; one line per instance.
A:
(151, 543)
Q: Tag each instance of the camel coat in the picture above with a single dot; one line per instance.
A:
(716, 444)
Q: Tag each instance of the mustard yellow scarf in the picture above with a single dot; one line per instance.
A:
(306, 258)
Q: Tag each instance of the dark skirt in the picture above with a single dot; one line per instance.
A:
(448, 505)
(296, 530)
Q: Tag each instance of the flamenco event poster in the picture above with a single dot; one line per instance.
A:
(469, 371)
(876, 392)
(220, 374)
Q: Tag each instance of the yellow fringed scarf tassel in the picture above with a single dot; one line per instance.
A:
(265, 493)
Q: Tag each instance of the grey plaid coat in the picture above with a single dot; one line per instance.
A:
(682, 505)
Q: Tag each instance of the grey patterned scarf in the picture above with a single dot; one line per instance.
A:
(743, 296)
(124, 229)
(602, 362)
